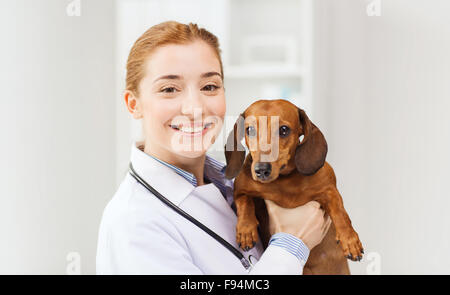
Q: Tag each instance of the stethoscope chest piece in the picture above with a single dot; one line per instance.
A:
(252, 259)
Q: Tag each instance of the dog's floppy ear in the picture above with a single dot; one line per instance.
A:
(311, 152)
(234, 150)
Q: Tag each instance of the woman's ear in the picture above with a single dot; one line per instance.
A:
(234, 150)
(311, 152)
(133, 104)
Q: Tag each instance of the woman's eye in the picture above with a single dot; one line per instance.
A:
(284, 131)
(210, 87)
(250, 131)
(169, 90)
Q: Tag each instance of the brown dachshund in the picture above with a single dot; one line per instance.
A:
(289, 172)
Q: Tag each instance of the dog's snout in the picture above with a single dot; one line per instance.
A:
(263, 170)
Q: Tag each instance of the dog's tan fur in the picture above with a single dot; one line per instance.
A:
(299, 174)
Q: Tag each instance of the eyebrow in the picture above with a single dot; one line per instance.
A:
(177, 77)
(210, 74)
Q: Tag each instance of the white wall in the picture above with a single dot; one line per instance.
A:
(382, 98)
(57, 127)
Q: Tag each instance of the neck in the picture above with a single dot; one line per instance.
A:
(192, 165)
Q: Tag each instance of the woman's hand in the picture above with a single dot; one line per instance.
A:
(308, 222)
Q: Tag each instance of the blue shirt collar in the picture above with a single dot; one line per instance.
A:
(214, 171)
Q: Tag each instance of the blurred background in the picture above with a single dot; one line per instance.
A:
(374, 75)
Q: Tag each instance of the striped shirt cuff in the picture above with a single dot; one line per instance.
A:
(292, 244)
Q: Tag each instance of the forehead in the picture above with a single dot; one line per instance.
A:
(196, 56)
(286, 111)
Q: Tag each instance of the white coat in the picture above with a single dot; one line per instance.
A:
(140, 235)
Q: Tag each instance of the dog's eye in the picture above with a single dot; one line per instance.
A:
(284, 131)
(250, 131)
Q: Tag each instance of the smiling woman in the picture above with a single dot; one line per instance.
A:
(174, 84)
(178, 100)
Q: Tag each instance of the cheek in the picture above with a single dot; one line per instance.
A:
(158, 112)
(217, 106)
(285, 155)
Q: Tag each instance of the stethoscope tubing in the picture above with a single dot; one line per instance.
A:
(236, 252)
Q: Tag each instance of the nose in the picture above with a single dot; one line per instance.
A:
(263, 170)
(192, 104)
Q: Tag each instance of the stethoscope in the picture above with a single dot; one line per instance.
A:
(246, 263)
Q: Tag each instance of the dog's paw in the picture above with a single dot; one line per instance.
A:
(351, 245)
(247, 234)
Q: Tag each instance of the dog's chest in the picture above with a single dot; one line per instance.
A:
(288, 192)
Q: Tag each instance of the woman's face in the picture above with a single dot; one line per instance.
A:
(182, 100)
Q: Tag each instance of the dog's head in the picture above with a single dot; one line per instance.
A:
(280, 138)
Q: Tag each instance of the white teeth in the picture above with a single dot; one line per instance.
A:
(190, 130)
(187, 129)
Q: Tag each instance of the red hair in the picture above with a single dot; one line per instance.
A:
(170, 32)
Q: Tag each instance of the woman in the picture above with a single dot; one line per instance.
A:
(174, 83)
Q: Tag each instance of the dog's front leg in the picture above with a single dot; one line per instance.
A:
(247, 224)
(331, 202)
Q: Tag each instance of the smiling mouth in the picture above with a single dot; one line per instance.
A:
(191, 130)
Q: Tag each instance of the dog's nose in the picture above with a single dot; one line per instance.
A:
(263, 170)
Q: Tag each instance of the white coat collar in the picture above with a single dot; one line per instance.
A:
(164, 179)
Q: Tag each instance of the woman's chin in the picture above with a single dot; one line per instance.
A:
(191, 146)
(190, 152)
(192, 155)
